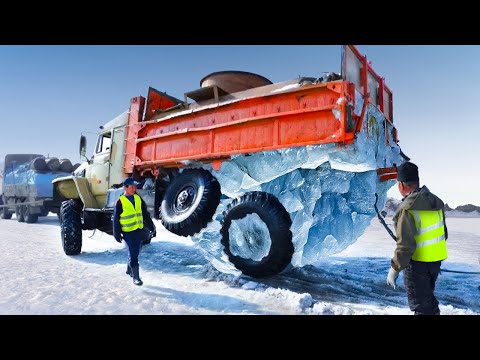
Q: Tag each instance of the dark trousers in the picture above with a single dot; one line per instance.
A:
(134, 243)
(419, 278)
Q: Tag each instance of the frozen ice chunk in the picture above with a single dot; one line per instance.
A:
(234, 180)
(361, 196)
(358, 103)
(334, 180)
(317, 155)
(301, 223)
(266, 166)
(209, 242)
(249, 238)
(360, 222)
(328, 191)
(291, 201)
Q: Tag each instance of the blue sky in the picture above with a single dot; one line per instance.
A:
(49, 95)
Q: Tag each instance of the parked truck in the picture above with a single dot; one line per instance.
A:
(188, 152)
(26, 189)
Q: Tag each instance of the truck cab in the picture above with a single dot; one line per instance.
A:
(105, 168)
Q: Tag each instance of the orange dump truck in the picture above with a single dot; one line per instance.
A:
(200, 161)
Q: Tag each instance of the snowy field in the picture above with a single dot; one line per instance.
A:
(38, 278)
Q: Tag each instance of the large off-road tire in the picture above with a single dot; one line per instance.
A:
(29, 218)
(4, 213)
(20, 211)
(44, 211)
(71, 226)
(162, 183)
(190, 202)
(271, 216)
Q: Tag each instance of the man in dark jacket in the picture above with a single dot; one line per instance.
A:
(421, 241)
(129, 217)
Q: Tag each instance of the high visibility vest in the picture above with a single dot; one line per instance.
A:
(430, 236)
(131, 218)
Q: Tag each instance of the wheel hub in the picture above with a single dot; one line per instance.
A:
(185, 199)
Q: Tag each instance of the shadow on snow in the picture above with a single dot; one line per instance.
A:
(359, 280)
(212, 302)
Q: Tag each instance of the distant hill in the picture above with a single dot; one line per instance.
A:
(468, 210)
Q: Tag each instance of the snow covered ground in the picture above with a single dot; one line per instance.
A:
(38, 278)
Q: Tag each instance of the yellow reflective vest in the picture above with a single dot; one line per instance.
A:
(131, 218)
(430, 236)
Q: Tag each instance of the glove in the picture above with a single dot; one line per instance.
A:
(153, 233)
(392, 278)
(119, 238)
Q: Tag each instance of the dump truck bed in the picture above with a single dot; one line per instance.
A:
(295, 113)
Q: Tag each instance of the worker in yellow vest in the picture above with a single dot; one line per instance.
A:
(129, 219)
(421, 241)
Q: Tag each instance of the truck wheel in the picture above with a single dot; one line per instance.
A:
(4, 213)
(162, 183)
(71, 227)
(190, 202)
(29, 218)
(44, 211)
(20, 211)
(256, 234)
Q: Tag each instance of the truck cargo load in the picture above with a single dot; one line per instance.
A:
(27, 189)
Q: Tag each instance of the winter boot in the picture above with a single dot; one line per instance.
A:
(136, 275)
(129, 270)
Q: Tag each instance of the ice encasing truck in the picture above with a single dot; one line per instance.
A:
(26, 189)
(262, 175)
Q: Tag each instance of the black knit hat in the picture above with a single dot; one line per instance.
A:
(407, 172)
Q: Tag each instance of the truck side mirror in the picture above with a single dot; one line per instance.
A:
(83, 145)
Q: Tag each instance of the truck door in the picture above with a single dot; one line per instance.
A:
(98, 171)
(116, 174)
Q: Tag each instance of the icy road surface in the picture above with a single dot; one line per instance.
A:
(38, 278)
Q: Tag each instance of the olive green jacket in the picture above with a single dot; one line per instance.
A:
(405, 228)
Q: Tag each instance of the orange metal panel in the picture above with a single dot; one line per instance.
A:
(296, 118)
(134, 117)
(385, 174)
(158, 101)
(386, 177)
(386, 170)
(310, 128)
